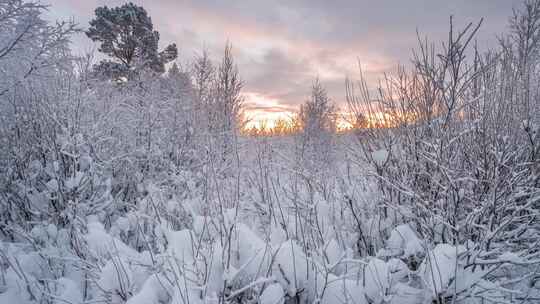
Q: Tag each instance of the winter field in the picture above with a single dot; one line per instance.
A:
(134, 180)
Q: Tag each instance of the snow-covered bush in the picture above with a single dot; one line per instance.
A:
(454, 149)
(142, 190)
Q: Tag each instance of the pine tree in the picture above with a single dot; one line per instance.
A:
(126, 34)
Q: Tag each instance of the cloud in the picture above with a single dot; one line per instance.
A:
(282, 45)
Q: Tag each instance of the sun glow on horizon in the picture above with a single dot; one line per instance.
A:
(263, 112)
(266, 115)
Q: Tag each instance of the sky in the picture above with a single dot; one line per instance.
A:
(281, 46)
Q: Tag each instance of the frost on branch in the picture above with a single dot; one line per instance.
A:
(129, 181)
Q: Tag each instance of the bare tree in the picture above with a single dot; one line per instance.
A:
(27, 38)
(451, 146)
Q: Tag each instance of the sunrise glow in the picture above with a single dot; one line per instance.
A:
(262, 112)
(265, 115)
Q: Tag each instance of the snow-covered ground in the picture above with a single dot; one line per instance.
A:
(126, 181)
(285, 235)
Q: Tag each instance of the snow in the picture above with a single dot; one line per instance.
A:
(272, 294)
(146, 191)
(204, 227)
(333, 252)
(116, 277)
(343, 290)
(153, 291)
(380, 156)
(74, 181)
(181, 246)
(52, 185)
(511, 258)
(215, 278)
(185, 292)
(404, 294)
(465, 279)
(290, 267)
(277, 235)
(52, 231)
(122, 223)
(253, 255)
(102, 244)
(377, 280)
(398, 270)
(403, 241)
(439, 268)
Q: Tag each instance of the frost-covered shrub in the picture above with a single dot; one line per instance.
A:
(141, 191)
(453, 148)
